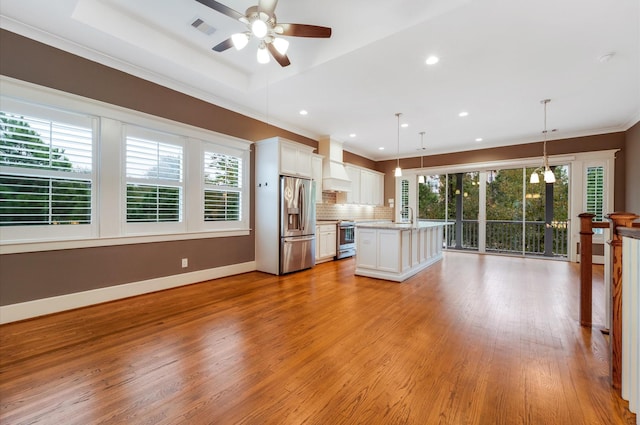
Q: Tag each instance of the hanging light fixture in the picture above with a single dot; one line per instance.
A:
(240, 40)
(398, 172)
(421, 177)
(263, 54)
(549, 176)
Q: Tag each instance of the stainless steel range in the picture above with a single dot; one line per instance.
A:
(346, 239)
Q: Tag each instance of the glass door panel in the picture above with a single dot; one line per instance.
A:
(504, 211)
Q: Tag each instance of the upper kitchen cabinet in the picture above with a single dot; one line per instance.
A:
(367, 186)
(316, 174)
(295, 158)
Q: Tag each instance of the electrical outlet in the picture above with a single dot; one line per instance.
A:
(185, 262)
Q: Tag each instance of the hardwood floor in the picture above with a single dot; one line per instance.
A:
(472, 340)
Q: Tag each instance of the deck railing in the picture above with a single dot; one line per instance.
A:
(505, 236)
(625, 297)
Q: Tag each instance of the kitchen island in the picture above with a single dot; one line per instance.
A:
(397, 251)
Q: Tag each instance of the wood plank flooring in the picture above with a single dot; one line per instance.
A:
(472, 340)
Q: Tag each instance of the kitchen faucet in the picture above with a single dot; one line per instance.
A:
(410, 215)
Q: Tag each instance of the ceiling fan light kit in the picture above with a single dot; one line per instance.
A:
(262, 24)
(240, 40)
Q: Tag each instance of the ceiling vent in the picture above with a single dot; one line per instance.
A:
(203, 27)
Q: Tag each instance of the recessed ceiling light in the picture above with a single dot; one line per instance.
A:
(381, 148)
(303, 112)
(463, 114)
(432, 60)
(479, 139)
(405, 125)
(352, 135)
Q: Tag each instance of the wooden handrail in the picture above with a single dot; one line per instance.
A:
(617, 222)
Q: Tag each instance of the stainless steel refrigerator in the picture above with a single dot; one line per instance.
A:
(297, 224)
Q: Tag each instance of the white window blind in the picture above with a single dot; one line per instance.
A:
(595, 194)
(222, 187)
(154, 181)
(45, 170)
(404, 198)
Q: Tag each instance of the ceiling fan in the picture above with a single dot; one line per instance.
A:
(261, 23)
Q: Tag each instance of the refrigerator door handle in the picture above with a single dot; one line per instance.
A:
(301, 206)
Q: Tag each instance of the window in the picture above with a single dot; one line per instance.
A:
(222, 187)
(46, 169)
(595, 194)
(76, 173)
(404, 199)
(154, 180)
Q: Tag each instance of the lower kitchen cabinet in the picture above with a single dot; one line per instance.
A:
(326, 235)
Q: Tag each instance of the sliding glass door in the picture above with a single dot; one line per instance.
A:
(499, 211)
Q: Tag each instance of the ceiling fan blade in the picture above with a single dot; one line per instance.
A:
(283, 60)
(225, 10)
(221, 47)
(302, 30)
(267, 6)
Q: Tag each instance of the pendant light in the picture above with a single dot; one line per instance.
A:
(421, 177)
(549, 176)
(398, 172)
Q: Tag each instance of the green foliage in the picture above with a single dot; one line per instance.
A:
(438, 199)
(29, 200)
(22, 146)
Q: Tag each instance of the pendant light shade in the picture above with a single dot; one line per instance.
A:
(398, 172)
(548, 174)
(240, 40)
(534, 178)
(281, 45)
(263, 54)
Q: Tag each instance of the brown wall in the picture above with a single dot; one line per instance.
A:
(29, 276)
(554, 147)
(632, 145)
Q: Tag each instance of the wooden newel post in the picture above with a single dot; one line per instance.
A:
(586, 274)
(618, 219)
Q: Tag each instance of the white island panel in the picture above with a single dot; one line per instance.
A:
(397, 251)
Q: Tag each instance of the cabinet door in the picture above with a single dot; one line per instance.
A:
(332, 239)
(378, 189)
(303, 163)
(318, 245)
(316, 171)
(353, 197)
(366, 187)
(288, 159)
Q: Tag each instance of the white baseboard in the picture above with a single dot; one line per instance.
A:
(29, 309)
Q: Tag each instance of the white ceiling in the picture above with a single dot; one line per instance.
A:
(498, 59)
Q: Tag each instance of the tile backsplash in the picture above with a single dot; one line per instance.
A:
(330, 210)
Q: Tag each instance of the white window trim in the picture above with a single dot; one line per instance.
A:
(107, 226)
(21, 234)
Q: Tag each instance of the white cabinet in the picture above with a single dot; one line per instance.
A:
(378, 189)
(316, 174)
(396, 252)
(326, 238)
(367, 186)
(295, 158)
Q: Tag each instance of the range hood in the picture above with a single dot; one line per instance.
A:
(334, 176)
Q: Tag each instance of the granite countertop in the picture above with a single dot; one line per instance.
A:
(400, 226)
(321, 222)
